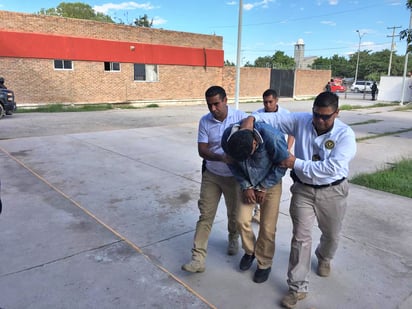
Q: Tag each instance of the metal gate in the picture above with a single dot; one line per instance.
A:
(282, 81)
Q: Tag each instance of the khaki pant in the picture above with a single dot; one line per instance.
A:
(211, 190)
(264, 246)
(328, 206)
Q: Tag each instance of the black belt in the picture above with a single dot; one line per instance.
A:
(335, 183)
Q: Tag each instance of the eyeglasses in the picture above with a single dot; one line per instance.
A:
(323, 117)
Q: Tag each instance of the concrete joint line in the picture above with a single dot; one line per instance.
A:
(101, 222)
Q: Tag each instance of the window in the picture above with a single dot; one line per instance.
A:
(112, 66)
(146, 72)
(63, 65)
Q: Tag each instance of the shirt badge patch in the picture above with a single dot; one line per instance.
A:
(329, 144)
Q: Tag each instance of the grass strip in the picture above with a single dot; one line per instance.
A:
(365, 122)
(359, 139)
(397, 179)
(59, 108)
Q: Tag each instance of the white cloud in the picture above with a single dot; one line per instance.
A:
(263, 3)
(367, 44)
(231, 3)
(328, 22)
(330, 2)
(395, 2)
(159, 21)
(105, 8)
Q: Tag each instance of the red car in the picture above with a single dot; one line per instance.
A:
(335, 87)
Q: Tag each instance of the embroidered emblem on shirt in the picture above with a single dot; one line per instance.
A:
(329, 144)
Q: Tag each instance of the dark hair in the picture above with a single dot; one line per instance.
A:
(327, 99)
(240, 145)
(215, 90)
(270, 92)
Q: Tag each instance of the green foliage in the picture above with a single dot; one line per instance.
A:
(397, 179)
(229, 64)
(143, 21)
(263, 62)
(371, 65)
(278, 61)
(348, 107)
(341, 67)
(58, 108)
(76, 10)
(407, 33)
(321, 63)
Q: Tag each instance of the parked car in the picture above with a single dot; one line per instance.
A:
(361, 86)
(337, 88)
(335, 85)
(7, 103)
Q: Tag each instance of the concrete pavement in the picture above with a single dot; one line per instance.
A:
(105, 219)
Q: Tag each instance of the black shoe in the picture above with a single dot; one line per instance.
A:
(246, 261)
(261, 275)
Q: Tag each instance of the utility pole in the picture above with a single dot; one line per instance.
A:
(357, 62)
(238, 53)
(392, 46)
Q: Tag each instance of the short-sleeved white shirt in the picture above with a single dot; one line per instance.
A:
(211, 131)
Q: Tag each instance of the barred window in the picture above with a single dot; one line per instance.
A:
(146, 72)
(112, 66)
(63, 65)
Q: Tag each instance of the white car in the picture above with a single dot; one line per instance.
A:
(361, 86)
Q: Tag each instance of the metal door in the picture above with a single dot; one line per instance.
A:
(282, 81)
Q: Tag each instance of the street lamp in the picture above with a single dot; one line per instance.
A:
(357, 62)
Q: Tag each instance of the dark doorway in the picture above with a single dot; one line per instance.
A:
(282, 82)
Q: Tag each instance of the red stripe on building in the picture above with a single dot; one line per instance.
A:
(46, 46)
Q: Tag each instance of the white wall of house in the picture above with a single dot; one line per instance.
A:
(390, 89)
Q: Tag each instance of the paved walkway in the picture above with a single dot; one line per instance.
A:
(104, 219)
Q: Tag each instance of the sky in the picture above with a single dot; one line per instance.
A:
(327, 27)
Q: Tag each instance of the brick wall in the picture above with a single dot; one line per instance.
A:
(310, 82)
(35, 81)
(92, 29)
(253, 81)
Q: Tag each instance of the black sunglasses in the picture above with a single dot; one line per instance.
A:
(323, 117)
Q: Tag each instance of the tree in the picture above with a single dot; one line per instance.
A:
(321, 63)
(278, 61)
(407, 33)
(229, 63)
(340, 67)
(76, 10)
(143, 21)
(282, 61)
(263, 62)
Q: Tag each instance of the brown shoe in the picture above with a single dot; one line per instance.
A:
(233, 246)
(291, 299)
(194, 266)
(323, 266)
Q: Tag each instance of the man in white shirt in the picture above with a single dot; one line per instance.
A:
(324, 146)
(270, 105)
(217, 179)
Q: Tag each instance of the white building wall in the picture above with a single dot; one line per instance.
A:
(390, 89)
